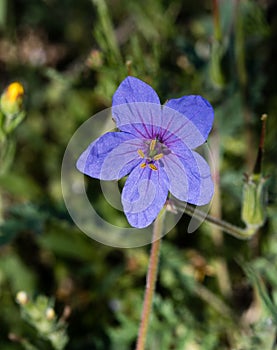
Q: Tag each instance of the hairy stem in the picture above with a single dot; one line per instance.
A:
(238, 232)
(150, 282)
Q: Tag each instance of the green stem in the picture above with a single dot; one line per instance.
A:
(150, 281)
(7, 152)
(216, 18)
(238, 232)
(1, 209)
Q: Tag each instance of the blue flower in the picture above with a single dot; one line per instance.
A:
(154, 146)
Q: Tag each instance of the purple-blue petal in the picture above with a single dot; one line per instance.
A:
(196, 109)
(144, 195)
(202, 192)
(122, 159)
(142, 119)
(135, 107)
(96, 160)
(189, 175)
(177, 176)
(178, 127)
(134, 90)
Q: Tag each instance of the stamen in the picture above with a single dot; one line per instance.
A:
(140, 153)
(158, 156)
(152, 145)
(143, 165)
(152, 166)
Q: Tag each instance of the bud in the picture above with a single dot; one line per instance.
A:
(254, 201)
(12, 113)
(22, 298)
(11, 99)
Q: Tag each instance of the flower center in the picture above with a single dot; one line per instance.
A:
(154, 151)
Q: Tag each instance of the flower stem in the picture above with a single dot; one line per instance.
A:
(1, 209)
(7, 150)
(238, 232)
(216, 18)
(150, 281)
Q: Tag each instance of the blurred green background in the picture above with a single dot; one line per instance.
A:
(214, 291)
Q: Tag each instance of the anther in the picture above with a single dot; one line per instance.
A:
(140, 153)
(152, 145)
(143, 165)
(158, 156)
(152, 166)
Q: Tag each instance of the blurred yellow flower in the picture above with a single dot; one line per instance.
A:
(12, 99)
(14, 92)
